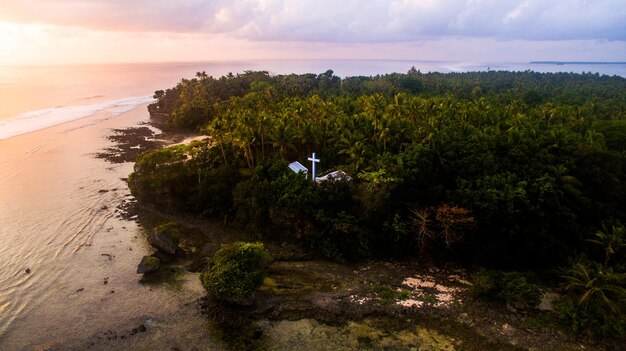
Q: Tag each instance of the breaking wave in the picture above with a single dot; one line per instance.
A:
(40, 119)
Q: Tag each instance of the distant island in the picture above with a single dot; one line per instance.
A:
(577, 62)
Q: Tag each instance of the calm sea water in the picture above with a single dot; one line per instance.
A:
(58, 216)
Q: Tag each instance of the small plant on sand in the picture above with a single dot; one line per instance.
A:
(238, 269)
(511, 287)
(388, 295)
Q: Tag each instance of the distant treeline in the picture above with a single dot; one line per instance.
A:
(191, 103)
(579, 62)
(500, 168)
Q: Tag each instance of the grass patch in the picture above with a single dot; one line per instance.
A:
(388, 295)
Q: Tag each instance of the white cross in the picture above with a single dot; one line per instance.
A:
(313, 161)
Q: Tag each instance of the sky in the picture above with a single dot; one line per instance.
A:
(480, 31)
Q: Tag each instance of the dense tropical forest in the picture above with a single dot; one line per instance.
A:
(508, 170)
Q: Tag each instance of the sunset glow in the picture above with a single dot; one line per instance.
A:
(70, 31)
(17, 39)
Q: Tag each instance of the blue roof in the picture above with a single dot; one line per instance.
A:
(297, 167)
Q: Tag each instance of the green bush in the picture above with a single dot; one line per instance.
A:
(388, 295)
(165, 178)
(237, 271)
(511, 287)
(171, 229)
(595, 321)
(485, 283)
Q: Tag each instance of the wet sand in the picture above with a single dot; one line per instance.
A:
(68, 257)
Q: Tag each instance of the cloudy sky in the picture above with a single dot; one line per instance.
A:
(70, 31)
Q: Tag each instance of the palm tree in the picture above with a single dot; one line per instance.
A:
(612, 239)
(282, 134)
(357, 154)
(595, 284)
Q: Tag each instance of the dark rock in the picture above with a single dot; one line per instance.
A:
(244, 301)
(227, 314)
(163, 242)
(326, 302)
(197, 265)
(27, 270)
(163, 257)
(141, 328)
(148, 264)
(81, 289)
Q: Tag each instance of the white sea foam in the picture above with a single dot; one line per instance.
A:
(40, 119)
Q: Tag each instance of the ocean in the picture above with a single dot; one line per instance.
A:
(67, 260)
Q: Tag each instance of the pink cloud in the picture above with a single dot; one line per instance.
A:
(337, 21)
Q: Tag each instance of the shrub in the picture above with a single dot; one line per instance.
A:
(388, 295)
(444, 224)
(511, 287)
(594, 321)
(165, 178)
(171, 229)
(238, 269)
(485, 283)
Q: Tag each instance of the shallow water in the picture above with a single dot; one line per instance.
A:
(59, 221)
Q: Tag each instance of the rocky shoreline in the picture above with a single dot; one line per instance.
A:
(389, 303)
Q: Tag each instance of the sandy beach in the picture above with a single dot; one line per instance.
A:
(68, 258)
